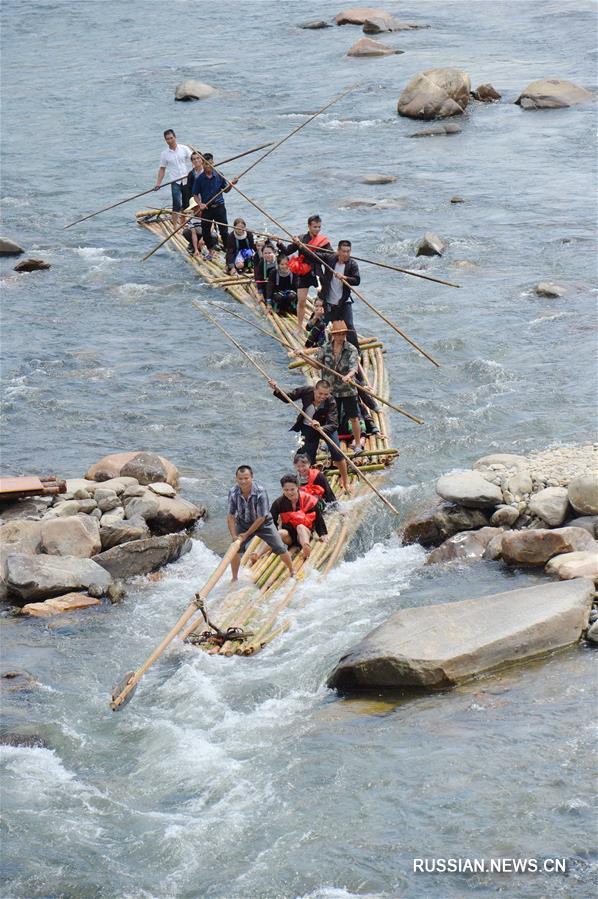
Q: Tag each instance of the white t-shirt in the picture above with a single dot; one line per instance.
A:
(336, 286)
(176, 162)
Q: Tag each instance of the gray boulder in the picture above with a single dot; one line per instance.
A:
(365, 46)
(552, 93)
(505, 516)
(588, 522)
(550, 290)
(357, 15)
(440, 131)
(164, 515)
(143, 556)
(551, 505)
(430, 245)
(21, 536)
(468, 546)
(112, 466)
(123, 531)
(10, 248)
(583, 494)
(536, 546)
(77, 535)
(435, 647)
(423, 530)
(193, 90)
(435, 94)
(38, 577)
(316, 25)
(469, 489)
(454, 519)
(147, 468)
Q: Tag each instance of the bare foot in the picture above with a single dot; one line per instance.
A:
(254, 557)
(306, 551)
(234, 580)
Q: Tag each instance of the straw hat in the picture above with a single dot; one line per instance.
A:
(338, 328)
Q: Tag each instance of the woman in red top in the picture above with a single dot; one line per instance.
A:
(312, 480)
(299, 515)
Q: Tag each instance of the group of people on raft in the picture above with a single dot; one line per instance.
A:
(281, 276)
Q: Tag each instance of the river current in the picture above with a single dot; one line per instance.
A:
(248, 778)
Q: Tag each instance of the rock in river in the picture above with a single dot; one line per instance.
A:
(10, 248)
(67, 603)
(552, 93)
(441, 645)
(357, 15)
(570, 565)
(378, 179)
(430, 245)
(365, 46)
(111, 467)
(469, 489)
(551, 505)
(316, 25)
(143, 556)
(435, 94)
(449, 128)
(193, 90)
(583, 494)
(485, 93)
(38, 577)
(550, 290)
(468, 546)
(537, 545)
(123, 531)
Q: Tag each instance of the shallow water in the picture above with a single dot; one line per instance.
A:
(243, 778)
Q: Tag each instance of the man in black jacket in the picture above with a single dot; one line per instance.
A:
(320, 406)
(335, 293)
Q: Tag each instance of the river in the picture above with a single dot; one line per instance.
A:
(241, 778)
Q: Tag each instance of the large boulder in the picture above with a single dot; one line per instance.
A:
(583, 494)
(193, 90)
(570, 565)
(365, 46)
(111, 467)
(552, 93)
(21, 536)
(438, 646)
(113, 533)
(551, 505)
(77, 535)
(469, 489)
(10, 248)
(143, 556)
(537, 545)
(67, 603)
(38, 577)
(430, 245)
(423, 530)
(357, 15)
(454, 519)
(435, 94)
(163, 514)
(468, 546)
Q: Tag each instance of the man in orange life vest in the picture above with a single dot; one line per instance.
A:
(304, 265)
(299, 514)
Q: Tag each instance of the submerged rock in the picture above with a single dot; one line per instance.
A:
(430, 245)
(365, 46)
(378, 179)
(435, 93)
(485, 93)
(31, 265)
(435, 647)
(143, 556)
(552, 93)
(548, 289)
(13, 681)
(449, 128)
(193, 90)
(316, 25)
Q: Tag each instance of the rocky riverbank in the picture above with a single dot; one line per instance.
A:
(122, 519)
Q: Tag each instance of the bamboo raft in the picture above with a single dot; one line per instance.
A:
(255, 607)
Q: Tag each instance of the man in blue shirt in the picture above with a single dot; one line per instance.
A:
(208, 190)
(249, 516)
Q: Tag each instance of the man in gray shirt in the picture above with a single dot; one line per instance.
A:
(249, 516)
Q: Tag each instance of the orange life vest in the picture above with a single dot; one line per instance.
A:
(298, 264)
(310, 487)
(302, 514)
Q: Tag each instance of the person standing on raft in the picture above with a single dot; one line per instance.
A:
(338, 354)
(299, 515)
(249, 516)
(336, 292)
(175, 163)
(304, 265)
(208, 192)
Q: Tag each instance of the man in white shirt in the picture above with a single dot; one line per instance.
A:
(175, 163)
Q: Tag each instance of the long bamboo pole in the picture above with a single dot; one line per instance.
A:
(152, 189)
(253, 164)
(318, 429)
(319, 365)
(125, 692)
(299, 244)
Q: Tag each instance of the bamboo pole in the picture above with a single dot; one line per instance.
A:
(319, 430)
(261, 158)
(152, 189)
(126, 691)
(319, 365)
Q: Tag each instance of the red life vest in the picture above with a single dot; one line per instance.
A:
(298, 264)
(303, 513)
(310, 487)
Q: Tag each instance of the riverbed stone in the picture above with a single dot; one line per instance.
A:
(123, 531)
(508, 460)
(142, 556)
(66, 508)
(430, 245)
(552, 93)
(365, 46)
(486, 93)
(39, 577)
(423, 530)
(583, 494)
(163, 489)
(67, 603)
(536, 546)
(111, 467)
(191, 89)
(316, 25)
(163, 514)
(451, 519)
(505, 516)
(26, 535)
(468, 546)
(435, 93)
(149, 468)
(77, 535)
(551, 505)
(356, 15)
(87, 506)
(588, 522)
(31, 265)
(440, 131)
(378, 179)
(108, 503)
(13, 681)
(550, 290)
(10, 248)
(438, 646)
(570, 565)
(134, 490)
(519, 482)
(469, 489)
(114, 516)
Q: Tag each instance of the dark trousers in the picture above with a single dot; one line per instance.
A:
(343, 313)
(214, 214)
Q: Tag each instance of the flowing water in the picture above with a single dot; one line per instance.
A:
(248, 778)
